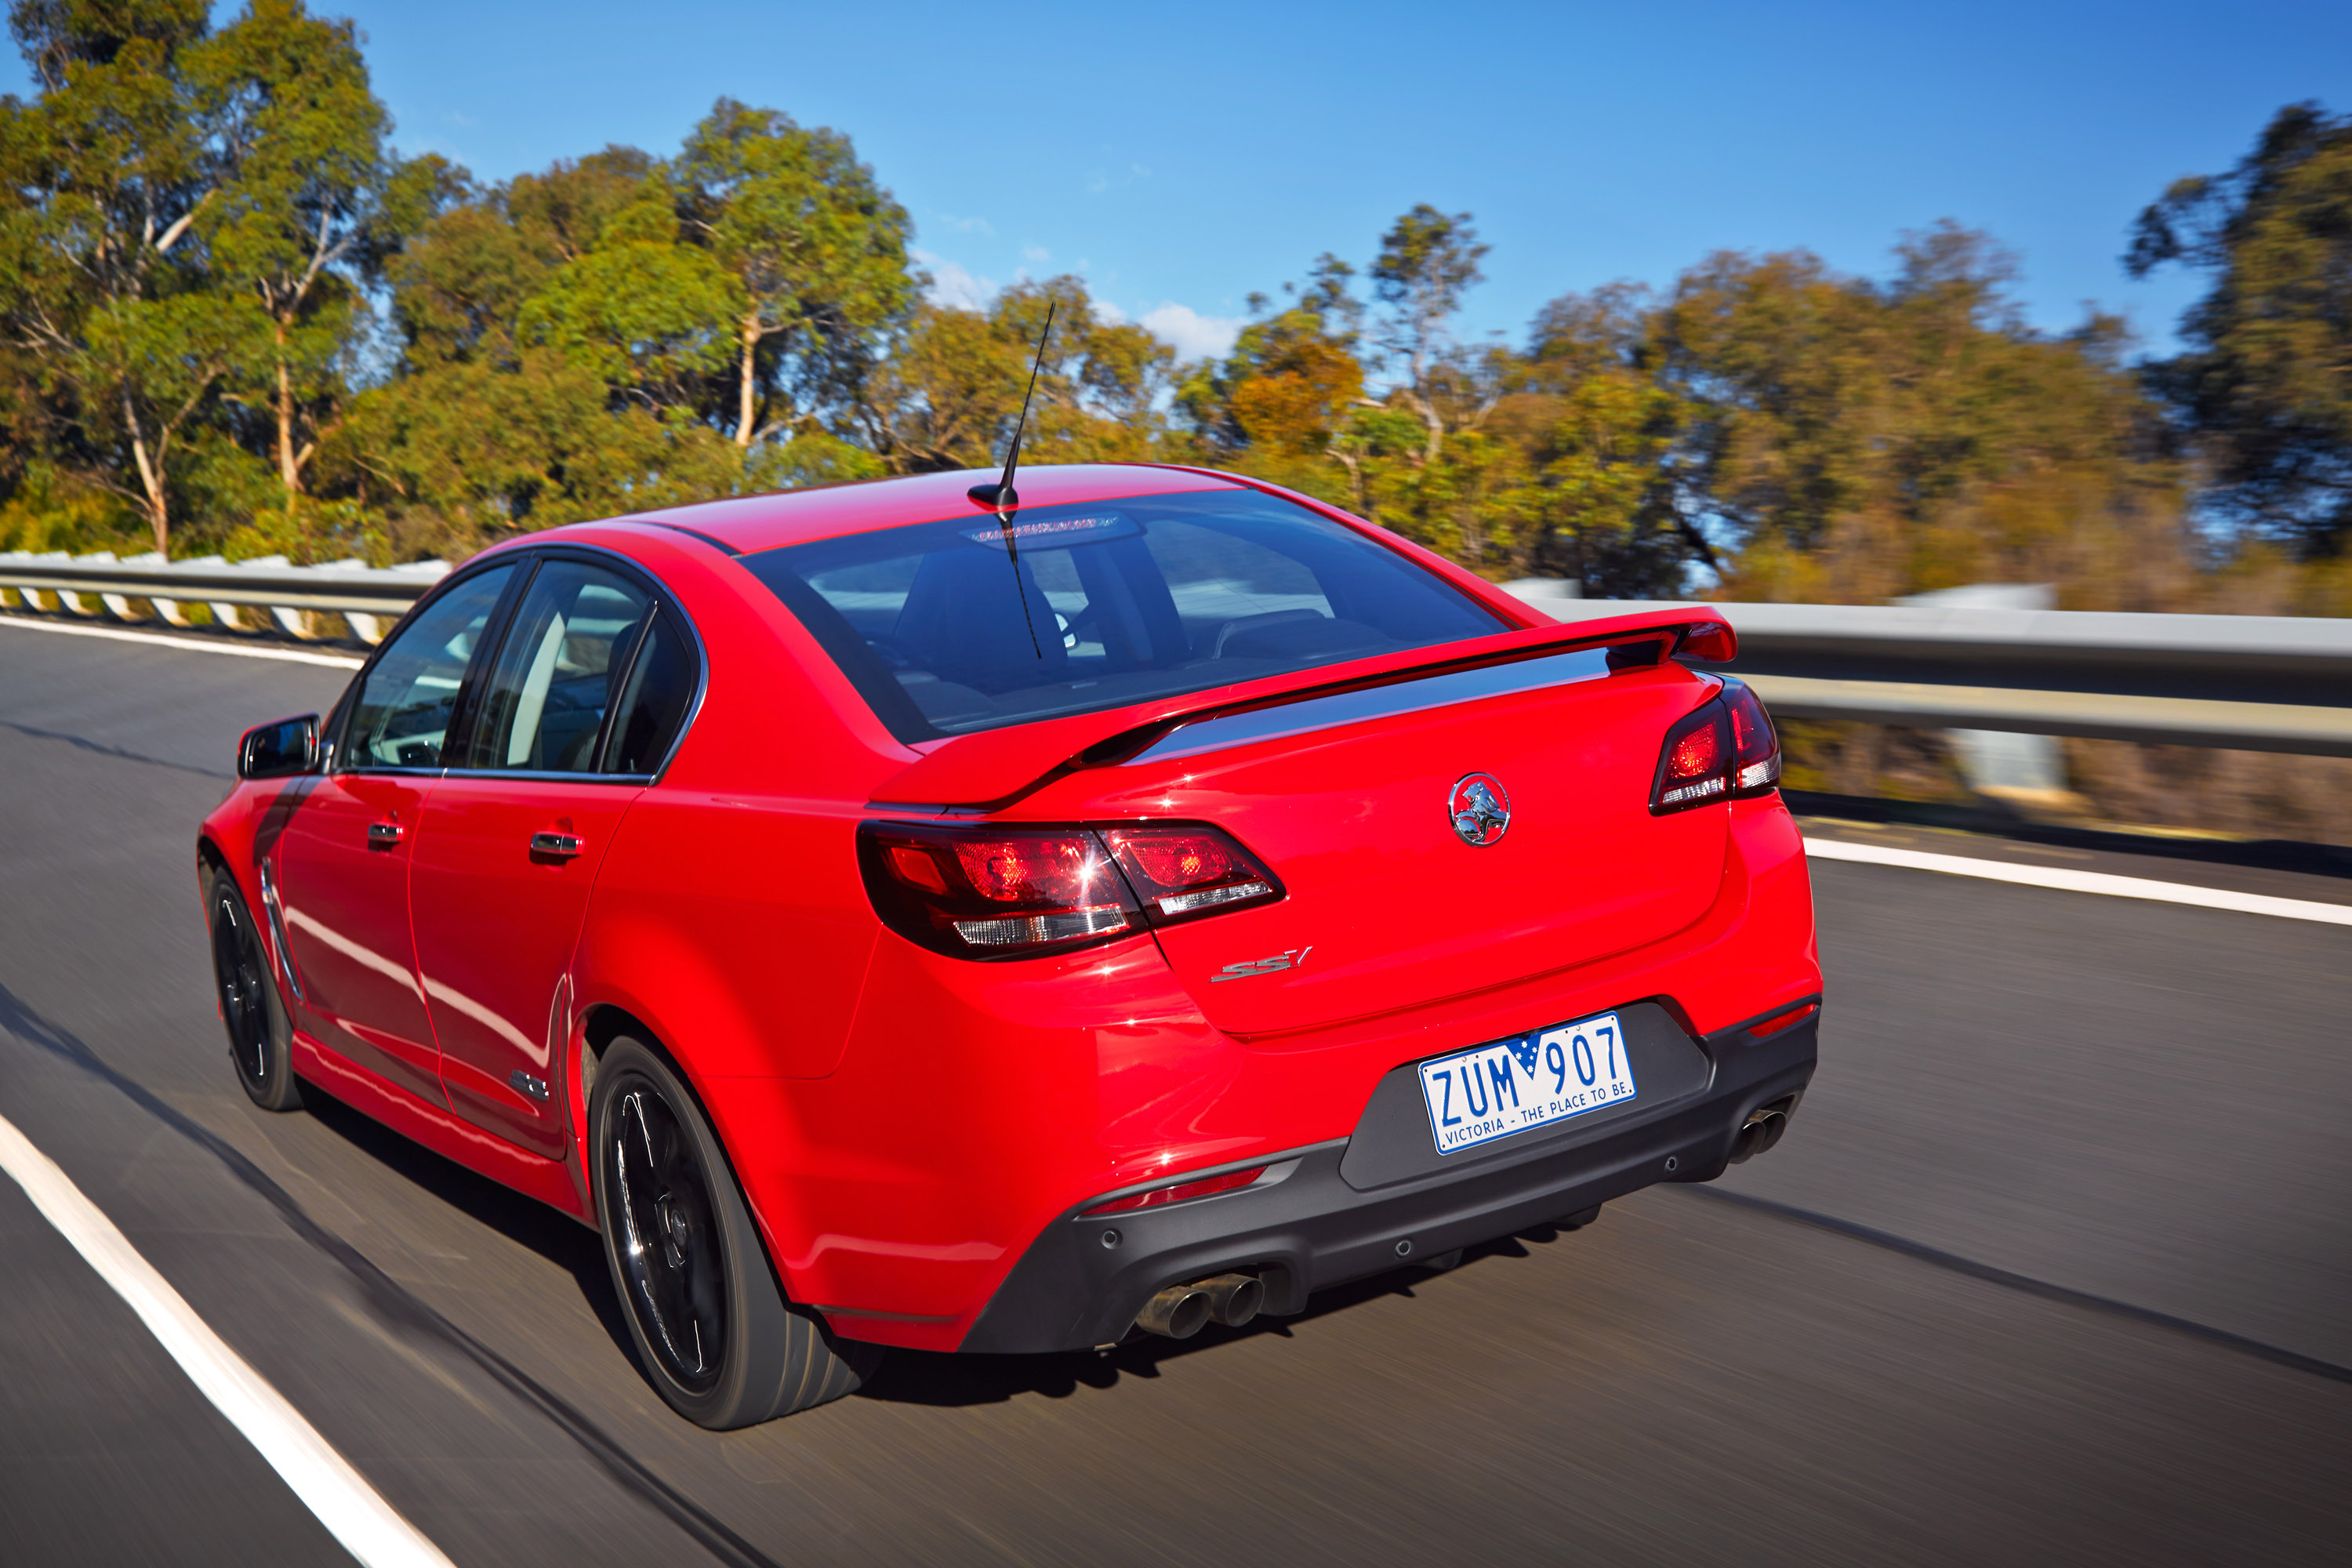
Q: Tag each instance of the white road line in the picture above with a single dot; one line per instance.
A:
(2083, 881)
(202, 645)
(325, 1482)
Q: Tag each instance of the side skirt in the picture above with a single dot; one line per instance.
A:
(552, 1181)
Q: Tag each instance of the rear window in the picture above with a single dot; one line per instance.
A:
(1126, 601)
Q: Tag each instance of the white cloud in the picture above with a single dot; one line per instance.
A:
(954, 284)
(1189, 332)
(1107, 311)
(1035, 253)
(966, 225)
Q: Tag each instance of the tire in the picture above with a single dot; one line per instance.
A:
(712, 1329)
(260, 1035)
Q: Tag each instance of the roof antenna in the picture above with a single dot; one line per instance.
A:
(1005, 499)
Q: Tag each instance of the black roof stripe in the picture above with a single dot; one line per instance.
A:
(719, 544)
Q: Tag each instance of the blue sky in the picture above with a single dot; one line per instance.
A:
(1181, 157)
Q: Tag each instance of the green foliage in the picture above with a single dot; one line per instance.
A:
(815, 248)
(2264, 389)
(646, 316)
(232, 317)
(1858, 440)
(949, 389)
(304, 205)
(49, 512)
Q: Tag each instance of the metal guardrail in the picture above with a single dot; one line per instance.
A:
(368, 599)
(2260, 683)
(2275, 683)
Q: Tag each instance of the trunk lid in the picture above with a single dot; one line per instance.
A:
(1347, 799)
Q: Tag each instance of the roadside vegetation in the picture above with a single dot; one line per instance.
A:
(234, 319)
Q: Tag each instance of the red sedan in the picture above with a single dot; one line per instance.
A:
(893, 919)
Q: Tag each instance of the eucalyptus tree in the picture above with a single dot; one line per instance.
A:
(1427, 261)
(2264, 384)
(101, 176)
(949, 390)
(814, 248)
(305, 205)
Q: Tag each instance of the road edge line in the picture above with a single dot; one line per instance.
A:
(151, 639)
(2101, 882)
(354, 1511)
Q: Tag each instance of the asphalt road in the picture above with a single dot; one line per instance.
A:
(2052, 1267)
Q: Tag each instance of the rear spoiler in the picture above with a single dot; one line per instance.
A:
(993, 768)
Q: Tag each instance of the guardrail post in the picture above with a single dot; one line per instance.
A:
(369, 630)
(2028, 770)
(52, 601)
(165, 609)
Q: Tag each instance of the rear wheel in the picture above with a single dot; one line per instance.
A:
(716, 1337)
(258, 1031)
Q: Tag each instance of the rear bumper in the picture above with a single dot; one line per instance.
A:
(1303, 1226)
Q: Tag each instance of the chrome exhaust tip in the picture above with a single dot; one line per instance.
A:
(1178, 1312)
(1233, 1298)
(1758, 1133)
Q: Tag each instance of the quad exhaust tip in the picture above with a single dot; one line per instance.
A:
(1183, 1310)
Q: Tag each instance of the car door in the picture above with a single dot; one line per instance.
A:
(341, 866)
(561, 741)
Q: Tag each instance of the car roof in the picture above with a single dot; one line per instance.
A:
(747, 524)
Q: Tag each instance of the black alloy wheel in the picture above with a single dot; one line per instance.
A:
(717, 1338)
(674, 1277)
(259, 1033)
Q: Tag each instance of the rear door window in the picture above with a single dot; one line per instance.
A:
(542, 709)
(943, 629)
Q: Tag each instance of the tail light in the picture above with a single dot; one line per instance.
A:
(1724, 751)
(1755, 749)
(1016, 892)
(1180, 869)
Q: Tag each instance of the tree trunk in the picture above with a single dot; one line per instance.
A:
(151, 480)
(1355, 482)
(290, 471)
(1428, 412)
(748, 403)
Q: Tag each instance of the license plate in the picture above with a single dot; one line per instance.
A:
(1528, 1081)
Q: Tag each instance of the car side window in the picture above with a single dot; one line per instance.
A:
(654, 707)
(544, 703)
(404, 705)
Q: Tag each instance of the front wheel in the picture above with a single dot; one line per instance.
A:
(716, 1337)
(259, 1034)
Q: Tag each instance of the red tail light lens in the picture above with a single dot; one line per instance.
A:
(1206, 1187)
(995, 892)
(1693, 766)
(1725, 750)
(1183, 870)
(1001, 891)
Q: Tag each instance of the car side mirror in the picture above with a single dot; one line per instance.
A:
(274, 751)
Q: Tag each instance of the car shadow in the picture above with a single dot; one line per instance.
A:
(937, 1379)
(525, 1221)
(942, 1379)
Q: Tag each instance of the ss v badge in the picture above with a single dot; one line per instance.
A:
(1280, 961)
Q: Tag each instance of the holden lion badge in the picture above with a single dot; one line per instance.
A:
(1480, 809)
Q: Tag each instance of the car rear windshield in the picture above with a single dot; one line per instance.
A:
(1127, 600)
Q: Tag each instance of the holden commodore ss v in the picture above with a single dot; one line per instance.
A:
(922, 913)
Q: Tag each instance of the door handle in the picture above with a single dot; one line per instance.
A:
(384, 835)
(562, 845)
